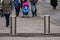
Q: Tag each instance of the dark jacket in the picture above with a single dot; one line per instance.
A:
(54, 2)
(16, 3)
(33, 1)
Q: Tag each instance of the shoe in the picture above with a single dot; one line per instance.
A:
(22, 16)
(54, 7)
(35, 14)
(16, 15)
(1, 16)
(7, 25)
(32, 16)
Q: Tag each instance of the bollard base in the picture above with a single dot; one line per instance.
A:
(13, 34)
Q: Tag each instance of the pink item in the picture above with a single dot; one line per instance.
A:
(25, 4)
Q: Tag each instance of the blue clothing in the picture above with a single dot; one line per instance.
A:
(17, 3)
(25, 10)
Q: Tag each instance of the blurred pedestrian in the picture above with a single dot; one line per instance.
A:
(54, 3)
(21, 3)
(2, 14)
(1, 10)
(17, 5)
(7, 8)
(34, 7)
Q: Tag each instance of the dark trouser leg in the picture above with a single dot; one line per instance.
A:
(32, 9)
(54, 7)
(2, 14)
(35, 9)
(35, 12)
(7, 19)
(17, 11)
(21, 5)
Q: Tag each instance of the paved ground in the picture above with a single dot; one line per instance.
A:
(29, 38)
(46, 8)
(34, 24)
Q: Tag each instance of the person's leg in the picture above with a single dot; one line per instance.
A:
(21, 6)
(32, 9)
(2, 14)
(54, 7)
(7, 19)
(16, 11)
(35, 9)
(8, 16)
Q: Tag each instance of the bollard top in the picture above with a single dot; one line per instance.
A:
(13, 16)
(46, 15)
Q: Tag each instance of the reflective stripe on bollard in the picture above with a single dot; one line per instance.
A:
(46, 24)
(13, 25)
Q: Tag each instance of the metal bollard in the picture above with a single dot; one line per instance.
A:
(13, 25)
(46, 24)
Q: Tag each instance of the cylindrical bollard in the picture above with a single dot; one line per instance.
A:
(13, 25)
(46, 24)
